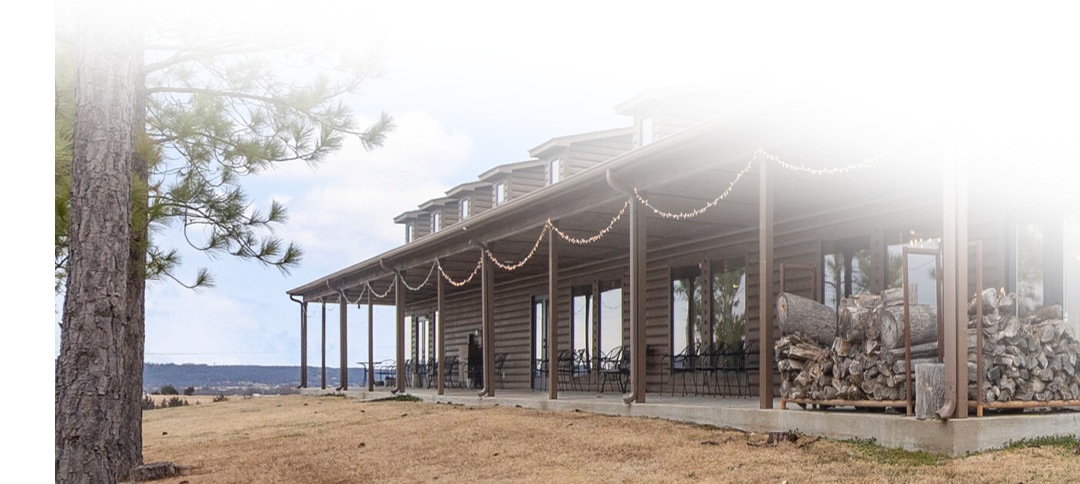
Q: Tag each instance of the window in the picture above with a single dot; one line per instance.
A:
(1029, 268)
(581, 320)
(689, 328)
(729, 304)
(611, 320)
(556, 173)
(1072, 271)
(846, 273)
(646, 130)
(408, 233)
(436, 221)
(464, 208)
(539, 337)
(410, 340)
(500, 193)
(922, 272)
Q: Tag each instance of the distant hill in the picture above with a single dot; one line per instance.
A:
(211, 379)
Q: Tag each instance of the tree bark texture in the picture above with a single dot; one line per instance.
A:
(797, 314)
(929, 389)
(890, 321)
(90, 388)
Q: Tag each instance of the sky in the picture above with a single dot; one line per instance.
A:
(473, 85)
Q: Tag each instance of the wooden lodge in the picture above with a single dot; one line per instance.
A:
(615, 239)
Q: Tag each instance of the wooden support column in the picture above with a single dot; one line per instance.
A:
(765, 284)
(553, 317)
(440, 329)
(343, 320)
(370, 345)
(487, 301)
(323, 385)
(303, 344)
(961, 285)
(399, 304)
(637, 303)
(706, 298)
(596, 355)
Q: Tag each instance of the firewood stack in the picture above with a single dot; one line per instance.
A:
(1033, 358)
(847, 370)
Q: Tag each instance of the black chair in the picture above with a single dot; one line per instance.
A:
(750, 361)
(565, 369)
(408, 372)
(540, 371)
(422, 373)
(681, 364)
(500, 363)
(450, 367)
(734, 364)
(616, 367)
(709, 364)
(582, 367)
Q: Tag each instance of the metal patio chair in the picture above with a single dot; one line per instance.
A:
(450, 367)
(582, 367)
(616, 367)
(680, 364)
(565, 369)
(709, 364)
(500, 373)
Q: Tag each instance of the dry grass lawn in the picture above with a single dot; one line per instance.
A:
(298, 439)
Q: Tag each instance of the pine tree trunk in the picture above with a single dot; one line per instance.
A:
(89, 374)
(135, 334)
(797, 314)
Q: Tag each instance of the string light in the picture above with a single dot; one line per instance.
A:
(463, 282)
(713, 203)
(422, 284)
(393, 284)
(595, 238)
(518, 265)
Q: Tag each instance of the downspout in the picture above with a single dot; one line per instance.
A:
(303, 338)
(619, 187)
(343, 307)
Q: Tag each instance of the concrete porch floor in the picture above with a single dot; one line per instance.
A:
(955, 437)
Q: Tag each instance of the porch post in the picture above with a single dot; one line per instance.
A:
(553, 318)
(961, 284)
(955, 250)
(637, 303)
(343, 320)
(399, 303)
(303, 344)
(765, 284)
(487, 300)
(440, 322)
(488, 322)
(323, 385)
(370, 346)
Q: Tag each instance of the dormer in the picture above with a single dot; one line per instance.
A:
(442, 213)
(514, 180)
(472, 199)
(417, 224)
(662, 112)
(567, 156)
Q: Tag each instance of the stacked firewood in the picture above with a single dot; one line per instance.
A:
(1032, 358)
(846, 370)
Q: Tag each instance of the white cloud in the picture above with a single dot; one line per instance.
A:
(347, 213)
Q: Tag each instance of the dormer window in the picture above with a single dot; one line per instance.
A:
(556, 172)
(646, 130)
(464, 208)
(408, 233)
(436, 221)
(500, 193)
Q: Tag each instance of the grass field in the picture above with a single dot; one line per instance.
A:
(298, 439)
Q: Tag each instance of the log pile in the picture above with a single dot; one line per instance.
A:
(846, 370)
(1036, 358)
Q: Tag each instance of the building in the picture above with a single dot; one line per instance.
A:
(606, 240)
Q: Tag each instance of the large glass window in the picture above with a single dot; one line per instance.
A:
(846, 273)
(1072, 270)
(408, 233)
(500, 193)
(410, 343)
(1029, 268)
(539, 337)
(464, 208)
(582, 323)
(556, 171)
(689, 327)
(436, 222)
(922, 270)
(729, 304)
(611, 320)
